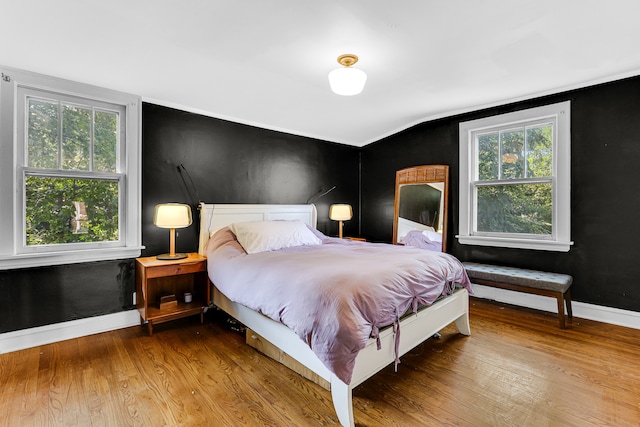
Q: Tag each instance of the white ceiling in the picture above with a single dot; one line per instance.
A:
(265, 62)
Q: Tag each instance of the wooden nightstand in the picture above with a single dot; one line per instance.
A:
(161, 278)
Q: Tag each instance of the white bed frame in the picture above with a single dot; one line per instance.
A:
(415, 328)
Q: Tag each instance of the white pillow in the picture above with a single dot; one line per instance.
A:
(261, 236)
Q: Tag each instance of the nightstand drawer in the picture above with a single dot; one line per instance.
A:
(176, 269)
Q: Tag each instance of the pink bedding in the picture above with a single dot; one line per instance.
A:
(336, 295)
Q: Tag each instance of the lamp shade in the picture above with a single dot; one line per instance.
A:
(340, 212)
(347, 80)
(172, 215)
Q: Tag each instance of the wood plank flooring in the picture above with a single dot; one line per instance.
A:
(516, 369)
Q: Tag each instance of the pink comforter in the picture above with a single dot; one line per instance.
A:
(334, 296)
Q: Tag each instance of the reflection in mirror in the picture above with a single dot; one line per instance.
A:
(421, 207)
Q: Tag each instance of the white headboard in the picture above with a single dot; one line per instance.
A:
(214, 217)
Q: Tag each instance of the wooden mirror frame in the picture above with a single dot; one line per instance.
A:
(423, 175)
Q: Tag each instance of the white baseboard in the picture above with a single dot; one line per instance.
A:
(33, 337)
(614, 316)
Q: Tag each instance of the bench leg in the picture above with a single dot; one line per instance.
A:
(560, 298)
(567, 299)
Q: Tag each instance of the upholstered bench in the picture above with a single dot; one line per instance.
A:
(531, 281)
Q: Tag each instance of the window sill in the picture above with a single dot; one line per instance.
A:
(542, 245)
(69, 257)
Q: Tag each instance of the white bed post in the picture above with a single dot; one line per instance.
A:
(462, 322)
(341, 394)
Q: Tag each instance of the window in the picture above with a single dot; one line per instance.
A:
(515, 179)
(70, 157)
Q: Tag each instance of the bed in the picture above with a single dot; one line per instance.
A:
(378, 351)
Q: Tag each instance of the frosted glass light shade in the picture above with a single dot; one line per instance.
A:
(347, 81)
(340, 212)
(172, 215)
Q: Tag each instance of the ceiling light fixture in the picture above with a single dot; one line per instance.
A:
(347, 80)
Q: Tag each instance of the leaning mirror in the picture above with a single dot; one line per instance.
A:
(420, 217)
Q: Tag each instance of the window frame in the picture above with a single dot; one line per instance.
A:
(15, 87)
(560, 238)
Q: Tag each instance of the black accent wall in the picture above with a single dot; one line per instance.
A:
(234, 163)
(47, 295)
(605, 206)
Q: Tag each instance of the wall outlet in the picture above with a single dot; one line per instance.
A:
(134, 298)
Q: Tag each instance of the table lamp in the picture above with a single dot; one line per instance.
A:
(172, 216)
(340, 212)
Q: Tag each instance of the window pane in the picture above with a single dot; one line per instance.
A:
(512, 154)
(488, 152)
(76, 137)
(43, 134)
(540, 151)
(106, 139)
(524, 208)
(67, 210)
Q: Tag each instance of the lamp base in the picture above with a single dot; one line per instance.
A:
(172, 257)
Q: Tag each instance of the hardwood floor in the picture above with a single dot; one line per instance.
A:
(516, 369)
